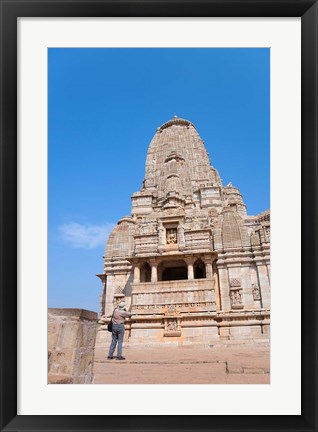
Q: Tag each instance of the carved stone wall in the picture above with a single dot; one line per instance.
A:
(188, 244)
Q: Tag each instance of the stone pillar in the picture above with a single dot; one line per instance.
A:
(263, 284)
(102, 298)
(159, 272)
(208, 269)
(154, 275)
(190, 271)
(224, 287)
(71, 346)
(161, 235)
(255, 289)
(218, 304)
(269, 272)
(190, 262)
(136, 273)
(181, 239)
(247, 293)
(110, 291)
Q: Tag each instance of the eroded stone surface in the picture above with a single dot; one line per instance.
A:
(71, 342)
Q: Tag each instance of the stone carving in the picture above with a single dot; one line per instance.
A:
(236, 298)
(118, 297)
(235, 283)
(256, 292)
(202, 305)
(263, 217)
(172, 325)
(171, 236)
(138, 229)
(267, 233)
(174, 156)
(171, 310)
(118, 290)
(173, 185)
(173, 212)
(147, 227)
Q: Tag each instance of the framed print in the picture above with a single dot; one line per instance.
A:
(29, 31)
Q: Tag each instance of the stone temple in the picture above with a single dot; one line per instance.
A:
(190, 264)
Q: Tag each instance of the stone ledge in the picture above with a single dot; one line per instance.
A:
(79, 313)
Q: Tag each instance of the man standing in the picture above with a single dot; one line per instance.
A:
(118, 331)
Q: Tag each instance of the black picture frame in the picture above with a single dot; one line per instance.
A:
(10, 11)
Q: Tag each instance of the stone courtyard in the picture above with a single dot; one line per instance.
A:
(214, 364)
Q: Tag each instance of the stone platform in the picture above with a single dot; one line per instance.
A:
(214, 364)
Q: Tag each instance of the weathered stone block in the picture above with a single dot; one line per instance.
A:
(71, 345)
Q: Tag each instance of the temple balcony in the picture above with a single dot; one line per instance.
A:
(172, 286)
(196, 295)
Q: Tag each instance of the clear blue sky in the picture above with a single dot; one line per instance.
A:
(104, 108)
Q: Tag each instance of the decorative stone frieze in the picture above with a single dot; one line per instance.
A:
(235, 283)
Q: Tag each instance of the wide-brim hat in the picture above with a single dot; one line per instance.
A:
(122, 305)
